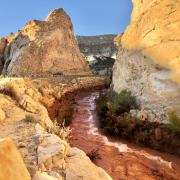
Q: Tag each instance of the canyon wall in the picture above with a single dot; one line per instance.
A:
(44, 46)
(99, 51)
(155, 29)
(148, 59)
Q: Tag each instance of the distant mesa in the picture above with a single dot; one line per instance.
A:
(99, 51)
(41, 47)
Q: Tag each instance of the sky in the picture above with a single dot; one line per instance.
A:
(91, 17)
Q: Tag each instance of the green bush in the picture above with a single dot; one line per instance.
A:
(116, 104)
(121, 103)
(174, 122)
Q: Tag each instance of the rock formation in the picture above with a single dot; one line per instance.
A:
(44, 46)
(99, 51)
(3, 43)
(12, 166)
(151, 51)
(155, 29)
(157, 95)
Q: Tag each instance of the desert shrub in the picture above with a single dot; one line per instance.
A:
(30, 119)
(10, 89)
(174, 122)
(101, 106)
(94, 154)
(122, 102)
(112, 105)
(113, 111)
(59, 130)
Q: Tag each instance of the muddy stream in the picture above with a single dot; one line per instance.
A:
(121, 159)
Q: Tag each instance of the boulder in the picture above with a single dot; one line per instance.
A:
(12, 166)
(45, 176)
(79, 166)
(56, 155)
(51, 151)
(45, 47)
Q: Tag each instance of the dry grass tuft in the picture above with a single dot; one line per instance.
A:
(61, 131)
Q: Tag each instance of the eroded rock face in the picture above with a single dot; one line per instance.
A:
(153, 57)
(3, 43)
(99, 51)
(12, 166)
(45, 46)
(155, 29)
(150, 83)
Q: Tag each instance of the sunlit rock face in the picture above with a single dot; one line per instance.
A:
(148, 64)
(45, 46)
(155, 29)
(99, 51)
(12, 166)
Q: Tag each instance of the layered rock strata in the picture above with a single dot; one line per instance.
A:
(99, 51)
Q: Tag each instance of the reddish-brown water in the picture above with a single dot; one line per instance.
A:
(122, 160)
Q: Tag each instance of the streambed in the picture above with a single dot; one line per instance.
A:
(121, 159)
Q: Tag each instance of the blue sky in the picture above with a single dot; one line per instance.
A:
(90, 17)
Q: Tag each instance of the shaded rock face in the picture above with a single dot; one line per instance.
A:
(45, 46)
(149, 82)
(99, 51)
(3, 43)
(155, 29)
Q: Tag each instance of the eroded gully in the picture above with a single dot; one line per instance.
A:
(122, 160)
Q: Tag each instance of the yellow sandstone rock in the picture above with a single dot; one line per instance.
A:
(155, 29)
(12, 166)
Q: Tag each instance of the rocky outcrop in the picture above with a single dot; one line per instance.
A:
(44, 46)
(150, 83)
(152, 40)
(155, 29)
(55, 155)
(12, 166)
(99, 51)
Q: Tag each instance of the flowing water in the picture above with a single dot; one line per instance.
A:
(122, 160)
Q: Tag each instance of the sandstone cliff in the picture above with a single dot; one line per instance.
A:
(156, 94)
(99, 51)
(155, 29)
(44, 46)
(151, 53)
